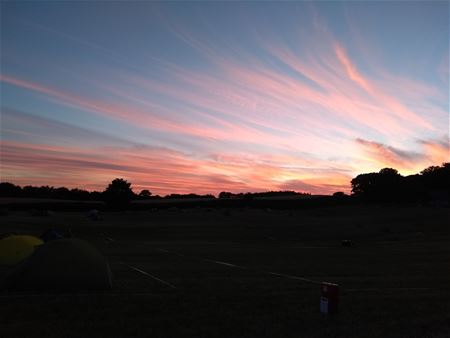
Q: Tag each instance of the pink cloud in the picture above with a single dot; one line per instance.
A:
(147, 117)
(437, 152)
(317, 188)
(383, 98)
(161, 170)
(431, 152)
(351, 70)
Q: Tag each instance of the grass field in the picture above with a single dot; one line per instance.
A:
(215, 267)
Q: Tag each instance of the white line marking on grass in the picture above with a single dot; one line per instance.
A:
(291, 277)
(75, 294)
(277, 274)
(232, 266)
(224, 263)
(390, 289)
(247, 268)
(145, 273)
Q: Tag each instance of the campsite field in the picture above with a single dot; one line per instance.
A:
(217, 265)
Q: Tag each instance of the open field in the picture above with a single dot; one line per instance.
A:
(231, 273)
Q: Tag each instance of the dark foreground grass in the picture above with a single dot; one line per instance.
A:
(395, 281)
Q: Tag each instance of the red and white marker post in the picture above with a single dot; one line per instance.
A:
(329, 298)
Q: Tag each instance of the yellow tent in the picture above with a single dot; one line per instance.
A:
(67, 264)
(16, 248)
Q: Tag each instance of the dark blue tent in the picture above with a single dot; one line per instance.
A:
(50, 235)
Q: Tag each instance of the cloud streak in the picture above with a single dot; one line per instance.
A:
(433, 152)
(159, 169)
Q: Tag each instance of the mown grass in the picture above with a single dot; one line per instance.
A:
(395, 281)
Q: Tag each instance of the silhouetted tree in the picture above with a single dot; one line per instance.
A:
(413, 188)
(95, 196)
(225, 194)
(62, 193)
(30, 191)
(381, 186)
(145, 194)
(79, 194)
(339, 195)
(118, 194)
(250, 195)
(433, 183)
(188, 196)
(437, 177)
(364, 184)
(389, 185)
(10, 190)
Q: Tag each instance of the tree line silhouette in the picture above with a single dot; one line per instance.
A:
(387, 185)
(118, 190)
(249, 195)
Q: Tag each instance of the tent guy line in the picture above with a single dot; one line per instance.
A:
(391, 289)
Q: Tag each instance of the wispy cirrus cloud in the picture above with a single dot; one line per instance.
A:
(324, 185)
(437, 151)
(159, 169)
(150, 115)
(17, 124)
(430, 152)
(396, 107)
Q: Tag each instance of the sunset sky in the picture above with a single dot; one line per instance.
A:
(206, 97)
